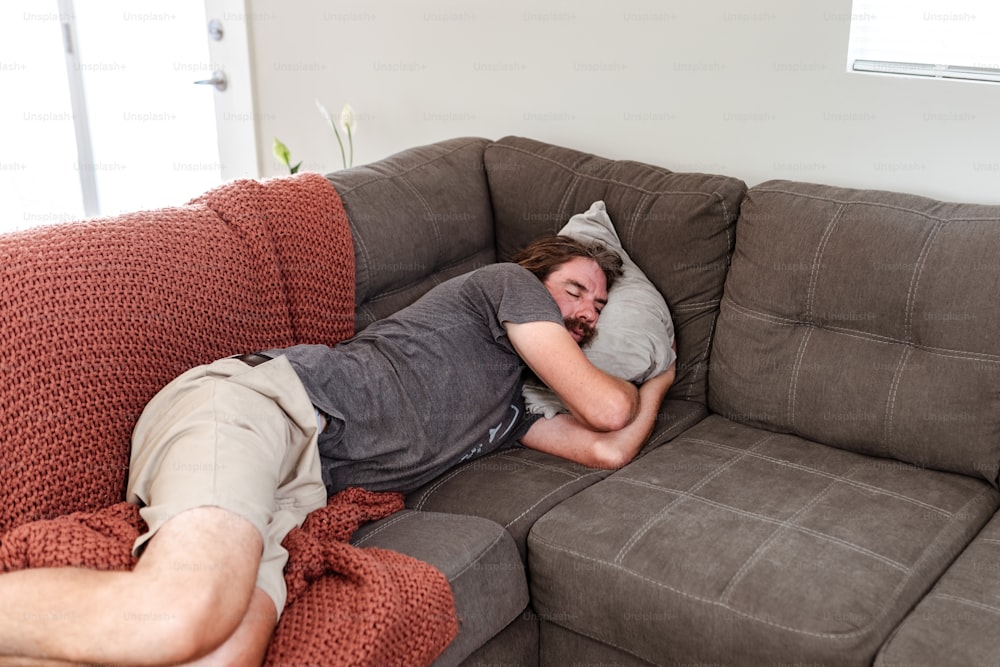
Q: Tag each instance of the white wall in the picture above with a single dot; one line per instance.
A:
(756, 90)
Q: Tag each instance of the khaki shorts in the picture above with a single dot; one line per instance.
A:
(232, 436)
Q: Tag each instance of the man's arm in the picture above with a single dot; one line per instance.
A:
(566, 437)
(598, 401)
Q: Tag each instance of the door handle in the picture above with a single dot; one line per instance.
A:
(218, 81)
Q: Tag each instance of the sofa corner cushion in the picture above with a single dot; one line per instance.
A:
(955, 624)
(677, 227)
(479, 559)
(417, 217)
(735, 545)
(865, 320)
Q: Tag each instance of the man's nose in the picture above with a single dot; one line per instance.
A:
(588, 313)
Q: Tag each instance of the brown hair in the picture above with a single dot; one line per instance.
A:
(546, 254)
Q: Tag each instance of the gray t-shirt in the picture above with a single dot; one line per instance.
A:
(431, 386)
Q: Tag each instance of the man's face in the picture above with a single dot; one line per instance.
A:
(581, 292)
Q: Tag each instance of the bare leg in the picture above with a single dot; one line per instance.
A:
(248, 645)
(186, 597)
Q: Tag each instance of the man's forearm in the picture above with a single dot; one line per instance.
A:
(624, 444)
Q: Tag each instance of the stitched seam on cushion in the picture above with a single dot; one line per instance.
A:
(793, 386)
(429, 492)
(817, 260)
(850, 546)
(861, 335)
(539, 501)
(612, 565)
(564, 203)
(427, 210)
(890, 409)
(892, 207)
(700, 305)
(586, 633)
(403, 517)
(552, 467)
(388, 176)
(696, 372)
(966, 601)
(691, 596)
(918, 271)
(840, 478)
(365, 263)
(926, 552)
(679, 427)
(425, 496)
(765, 546)
(629, 186)
(646, 527)
(478, 558)
(382, 526)
(633, 223)
(403, 288)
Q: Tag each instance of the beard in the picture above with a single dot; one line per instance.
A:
(587, 331)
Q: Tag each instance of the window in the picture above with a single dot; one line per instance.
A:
(930, 38)
(101, 114)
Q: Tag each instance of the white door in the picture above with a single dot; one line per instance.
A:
(236, 120)
(123, 126)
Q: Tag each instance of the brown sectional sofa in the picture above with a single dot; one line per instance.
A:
(821, 485)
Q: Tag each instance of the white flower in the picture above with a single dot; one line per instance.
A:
(323, 112)
(348, 121)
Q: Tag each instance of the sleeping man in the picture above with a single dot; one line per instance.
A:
(229, 457)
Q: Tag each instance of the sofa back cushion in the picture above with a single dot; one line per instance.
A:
(867, 321)
(417, 218)
(97, 316)
(677, 227)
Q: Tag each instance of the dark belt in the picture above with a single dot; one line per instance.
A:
(258, 359)
(252, 359)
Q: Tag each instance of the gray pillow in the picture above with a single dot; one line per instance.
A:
(635, 334)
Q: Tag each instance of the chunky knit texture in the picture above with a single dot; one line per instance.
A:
(381, 608)
(96, 316)
(346, 606)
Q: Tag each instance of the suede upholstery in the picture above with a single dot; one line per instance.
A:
(956, 622)
(418, 218)
(734, 545)
(820, 487)
(678, 228)
(870, 320)
(834, 483)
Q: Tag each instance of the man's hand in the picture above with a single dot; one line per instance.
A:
(565, 436)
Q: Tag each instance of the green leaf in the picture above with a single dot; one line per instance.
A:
(281, 152)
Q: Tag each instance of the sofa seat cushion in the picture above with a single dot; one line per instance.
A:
(736, 545)
(517, 486)
(477, 556)
(955, 624)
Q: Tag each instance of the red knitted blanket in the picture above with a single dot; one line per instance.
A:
(96, 316)
(346, 606)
